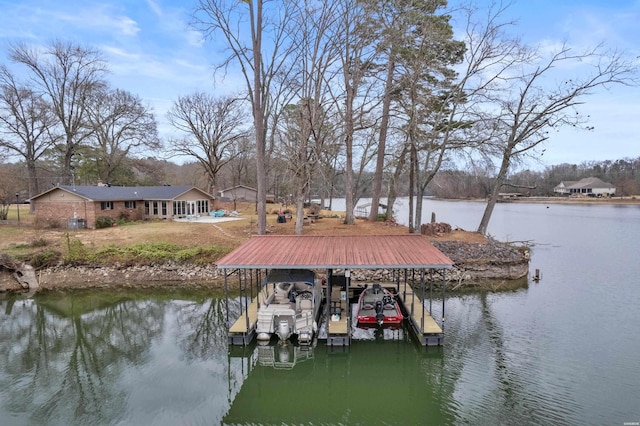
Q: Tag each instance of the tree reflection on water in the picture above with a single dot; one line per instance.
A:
(203, 328)
(62, 354)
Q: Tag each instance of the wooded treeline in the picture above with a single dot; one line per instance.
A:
(344, 98)
(624, 174)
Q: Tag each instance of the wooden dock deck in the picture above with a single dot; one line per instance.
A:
(425, 327)
(338, 332)
(239, 332)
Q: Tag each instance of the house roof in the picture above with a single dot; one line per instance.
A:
(320, 252)
(125, 193)
(566, 183)
(590, 182)
(239, 186)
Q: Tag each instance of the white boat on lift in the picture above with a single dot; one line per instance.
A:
(290, 303)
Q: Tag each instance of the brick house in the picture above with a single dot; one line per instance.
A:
(66, 204)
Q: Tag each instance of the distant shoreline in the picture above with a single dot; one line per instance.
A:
(556, 200)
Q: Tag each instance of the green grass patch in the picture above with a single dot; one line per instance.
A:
(140, 254)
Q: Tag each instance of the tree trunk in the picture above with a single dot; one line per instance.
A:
(495, 192)
(412, 182)
(299, 213)
(34, 188)
(392, 192)
(419, 203)
(258, 116)
(349, 219)
(382, 142)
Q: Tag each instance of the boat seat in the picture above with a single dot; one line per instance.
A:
(305, 304)
(389, 306)
(367, 306)
(280, 296)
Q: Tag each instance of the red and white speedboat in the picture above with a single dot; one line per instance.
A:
(377, 305)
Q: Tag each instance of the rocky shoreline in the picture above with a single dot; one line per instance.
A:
(476, 265)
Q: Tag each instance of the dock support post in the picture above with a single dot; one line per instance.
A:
(347, 279)
(226, 297)
(444, 284)
(404, 296)
(243, 291)
(396, 275)
(422, 300)
(430, 291)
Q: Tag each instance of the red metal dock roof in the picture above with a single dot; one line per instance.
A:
(320, 252)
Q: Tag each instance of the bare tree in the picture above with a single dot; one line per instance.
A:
(306, 123)
(352, 99)
(11, 181)
(242, 168)
(26, 124)
(538, 100)
(212, 128)
(68, 75)
(234, 21)
(120, 126)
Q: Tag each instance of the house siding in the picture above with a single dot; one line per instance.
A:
(57, 207)
(57, 213)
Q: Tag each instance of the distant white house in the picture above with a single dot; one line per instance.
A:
(591, 187)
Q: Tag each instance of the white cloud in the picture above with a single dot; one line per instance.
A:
(127, 26)
(194, 38)
(98, 18)
(155, 7)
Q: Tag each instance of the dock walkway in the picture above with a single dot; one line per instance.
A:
(425, 327)
(243, 329)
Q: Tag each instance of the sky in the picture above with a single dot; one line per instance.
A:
(154, 53)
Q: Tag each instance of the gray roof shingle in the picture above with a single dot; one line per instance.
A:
(128, 193)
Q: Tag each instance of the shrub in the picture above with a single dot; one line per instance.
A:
(104, 222)
(40, 223)
(188, 254)
(152, 252)
(45, 258)
(76, 251)
(314, 208)
(39, 242)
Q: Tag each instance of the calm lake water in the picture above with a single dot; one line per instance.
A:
(564, 350)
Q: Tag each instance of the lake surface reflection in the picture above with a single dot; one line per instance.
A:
(561, 351)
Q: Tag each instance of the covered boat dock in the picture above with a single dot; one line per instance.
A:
(412, 258)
